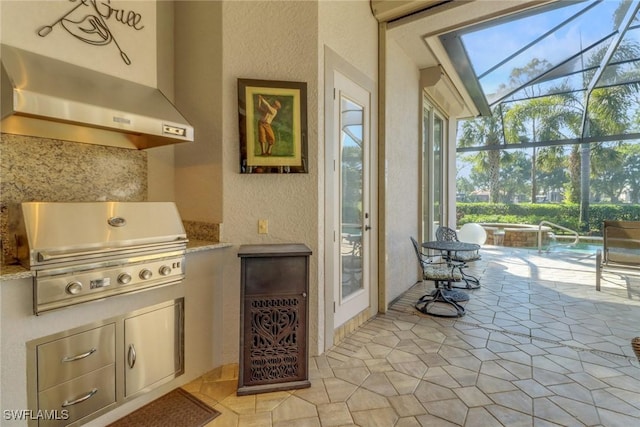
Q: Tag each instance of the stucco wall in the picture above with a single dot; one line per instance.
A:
(402, 164)
(279, 43)
(351, 31)
(198, 82)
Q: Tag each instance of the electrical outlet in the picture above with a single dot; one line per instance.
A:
(263, 226)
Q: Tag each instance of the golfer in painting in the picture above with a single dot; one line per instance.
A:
(266, 138)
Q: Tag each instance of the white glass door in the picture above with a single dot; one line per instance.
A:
(433, 170)
(352, 204)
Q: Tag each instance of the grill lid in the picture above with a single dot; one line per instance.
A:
(49, 233)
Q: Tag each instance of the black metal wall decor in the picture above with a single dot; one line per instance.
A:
(86, 20)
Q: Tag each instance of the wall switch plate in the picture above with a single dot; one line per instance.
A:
(263, 226)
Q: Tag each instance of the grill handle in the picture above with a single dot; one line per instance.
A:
(51, 255)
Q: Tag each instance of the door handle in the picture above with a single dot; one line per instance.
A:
(367, 227)
(131, 356)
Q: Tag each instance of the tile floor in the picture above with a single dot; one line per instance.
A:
(537, 347)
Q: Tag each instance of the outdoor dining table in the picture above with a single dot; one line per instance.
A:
(450, 246)
(450, 296)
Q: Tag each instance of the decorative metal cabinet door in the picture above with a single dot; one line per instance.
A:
(273, 323)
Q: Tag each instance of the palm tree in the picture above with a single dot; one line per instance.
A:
(485, 131)
(545, 119)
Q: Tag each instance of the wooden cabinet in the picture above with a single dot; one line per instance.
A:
(274, 318)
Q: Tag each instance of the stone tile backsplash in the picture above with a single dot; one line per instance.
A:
(198, 230)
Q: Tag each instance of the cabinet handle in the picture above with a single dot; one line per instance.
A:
(131, 356)
(79, 356)
(80, 399)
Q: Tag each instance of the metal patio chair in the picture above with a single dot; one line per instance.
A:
(442, 273)
(459, 259)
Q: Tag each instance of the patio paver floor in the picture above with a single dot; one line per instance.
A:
(537, 347)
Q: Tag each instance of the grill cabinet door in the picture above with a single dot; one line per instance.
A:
(153, 348)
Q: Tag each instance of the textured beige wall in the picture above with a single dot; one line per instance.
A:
(271, 41)
(350, 30)
(403, 163)
(198, 84)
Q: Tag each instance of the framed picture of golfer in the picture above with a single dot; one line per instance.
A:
(273, 126)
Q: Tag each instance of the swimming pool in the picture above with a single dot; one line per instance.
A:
(582, 248)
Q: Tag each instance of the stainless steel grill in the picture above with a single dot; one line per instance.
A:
(85, 251)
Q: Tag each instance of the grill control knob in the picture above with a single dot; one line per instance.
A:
(165, 270)
(74, 288)
(146, 274)
(124, 278)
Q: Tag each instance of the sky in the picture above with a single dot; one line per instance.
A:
(556, 47)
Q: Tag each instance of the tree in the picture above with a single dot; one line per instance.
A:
(485, 131)
(609, 177)
(464, 187)
(514, 165)
(540, 116)
(631, 167)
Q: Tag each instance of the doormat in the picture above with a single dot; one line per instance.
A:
(178, 408)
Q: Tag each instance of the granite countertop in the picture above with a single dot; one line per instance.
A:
(15, 272)
(205, 245)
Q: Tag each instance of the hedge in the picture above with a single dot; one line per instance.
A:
(564, 214)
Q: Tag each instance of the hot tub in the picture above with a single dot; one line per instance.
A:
(516, 235)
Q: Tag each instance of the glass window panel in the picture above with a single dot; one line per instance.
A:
(437, 176)
(553, 49)
(480, 44)
(549, 118)
(580, 33)
(617, 74)
(568, 84)
(352, 117)
(555, 171)
(628, 48)
(613, 112)
(426, 168)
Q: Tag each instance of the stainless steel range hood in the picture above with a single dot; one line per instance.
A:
(48, 98)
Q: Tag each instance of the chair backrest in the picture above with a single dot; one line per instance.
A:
(433, 270)
(621, 240)
(417, 249)
(446, 234)
(422, 258)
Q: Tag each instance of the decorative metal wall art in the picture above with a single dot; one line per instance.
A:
(87, 22)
